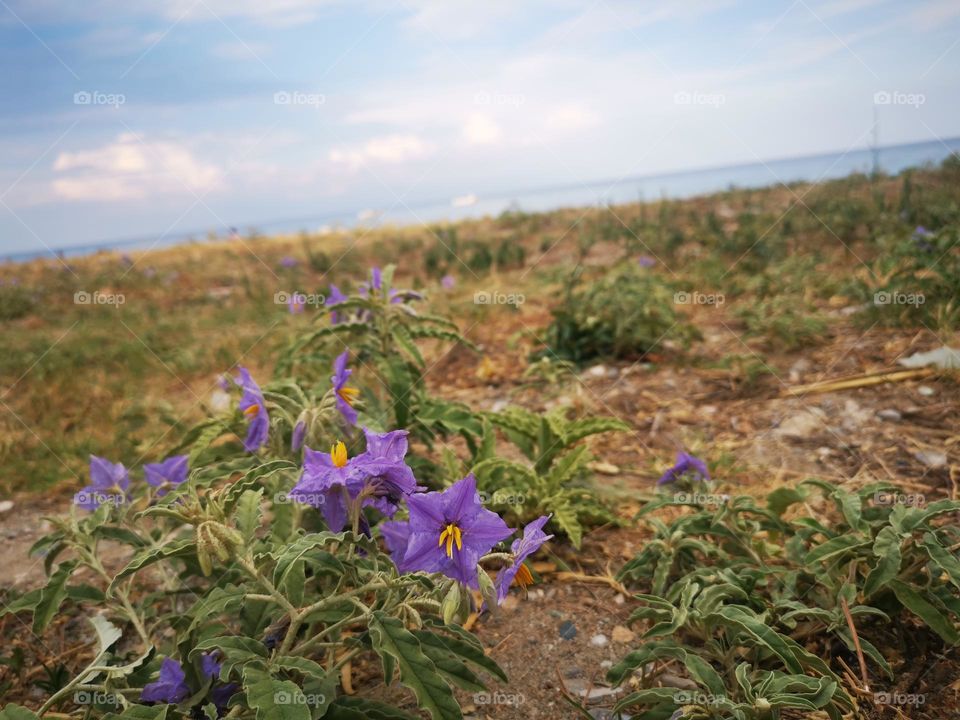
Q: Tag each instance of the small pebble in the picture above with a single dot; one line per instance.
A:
(599, 640)
(6, 506)
(568, 631)
(925, 390)
(890, 414)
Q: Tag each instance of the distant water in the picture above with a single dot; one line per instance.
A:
(688, 183)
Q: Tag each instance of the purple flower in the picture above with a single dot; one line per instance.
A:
(108, 484)
(327, 481)
(375, 284)
(253, 407)
(522, 548)
(288, 262)
(646, 261)
(346, 395)
(383, 470)
(448, 282)
(296, 303)
(334, 297)
(167, 474)
(922, 232)
(221, 694)
(449, 531)
(210, 666)
(171, 687)
(686, 464)
(299, 431)
(402, 296)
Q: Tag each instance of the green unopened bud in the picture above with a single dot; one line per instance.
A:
(487, 589)
(215, 541)
(450, 607)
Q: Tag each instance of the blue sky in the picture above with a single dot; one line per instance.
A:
(126, 118)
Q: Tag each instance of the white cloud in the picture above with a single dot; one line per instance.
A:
(571, 118)
(482, 130)
(385, 150)
(131, 169)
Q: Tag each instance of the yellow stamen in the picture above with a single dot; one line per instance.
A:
(523, 578)
(451, 534)
(348, 395)
(338, 453)
(252, 411)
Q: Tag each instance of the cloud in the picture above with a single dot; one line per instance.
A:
(571, 118)
(482, 130)
(385, 150)
(131, 169)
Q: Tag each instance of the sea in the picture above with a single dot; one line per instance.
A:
(891, 159)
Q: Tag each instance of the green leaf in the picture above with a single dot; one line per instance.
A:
(565, 516)
(886, 547)
(942, 558)
(417, 671)
(236, 650)
(579, 429)
(782, 498)
(835, 548)
(470, 650)
(17, 712)
(274, 699)
(302, 665)
(360, 708)
(247, 513)
(747, 622)
(52, 596)
(140, 712)
(915, 603)
(178, 548)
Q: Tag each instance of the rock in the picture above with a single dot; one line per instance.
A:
(6, 506)
(802, 426)
(931, 458)
(926, 390)
(499, 405)
(798, 369)
(942, 357)
(568, 631)
(597, 371)
(675, 681)
(606, 664)
(599, 640)
(853, 415)
(890, 414)
(604, 468)
(622, 634)
(619, 599)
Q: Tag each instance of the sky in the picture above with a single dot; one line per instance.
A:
(136, 118)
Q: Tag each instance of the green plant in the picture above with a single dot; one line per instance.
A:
(737, 594)
(625, 314)
(785, 322)
(554, 481)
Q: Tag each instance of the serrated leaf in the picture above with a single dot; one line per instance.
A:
(565, 516)
(919, 606)
(274, 699)
(417, 671)
(247, 513)
(178, 548)
(52, 595)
